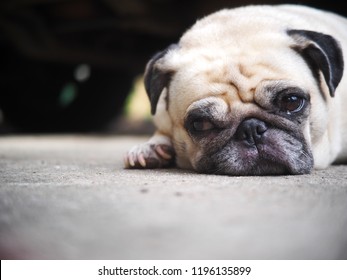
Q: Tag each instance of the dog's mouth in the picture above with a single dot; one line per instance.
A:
(265, 159)
(276, 153)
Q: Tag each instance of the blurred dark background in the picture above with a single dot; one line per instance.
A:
(69, 66)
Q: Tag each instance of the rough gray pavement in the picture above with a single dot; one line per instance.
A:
(68, 197)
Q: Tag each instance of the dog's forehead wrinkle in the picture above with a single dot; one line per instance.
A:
(209, 107)
(241, 79)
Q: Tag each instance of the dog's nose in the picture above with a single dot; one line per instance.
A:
(251, 131)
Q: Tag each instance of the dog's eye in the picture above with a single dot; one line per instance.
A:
(292, 104)
(202, 125)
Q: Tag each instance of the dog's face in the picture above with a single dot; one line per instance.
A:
(244, 102)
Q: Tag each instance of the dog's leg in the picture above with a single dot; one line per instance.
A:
(157, 152)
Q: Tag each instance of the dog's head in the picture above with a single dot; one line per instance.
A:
(244, 100)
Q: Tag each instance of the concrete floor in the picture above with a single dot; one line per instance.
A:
(68, 197)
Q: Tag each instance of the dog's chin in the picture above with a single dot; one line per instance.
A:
(264, 159)
(259, 167)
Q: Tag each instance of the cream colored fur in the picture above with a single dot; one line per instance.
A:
(230, 55)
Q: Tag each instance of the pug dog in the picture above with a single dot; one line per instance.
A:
(255, 90)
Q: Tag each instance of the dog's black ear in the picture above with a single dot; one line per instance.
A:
(156, 79)
(322, 53)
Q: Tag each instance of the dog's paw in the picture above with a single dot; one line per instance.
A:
(152, 154)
